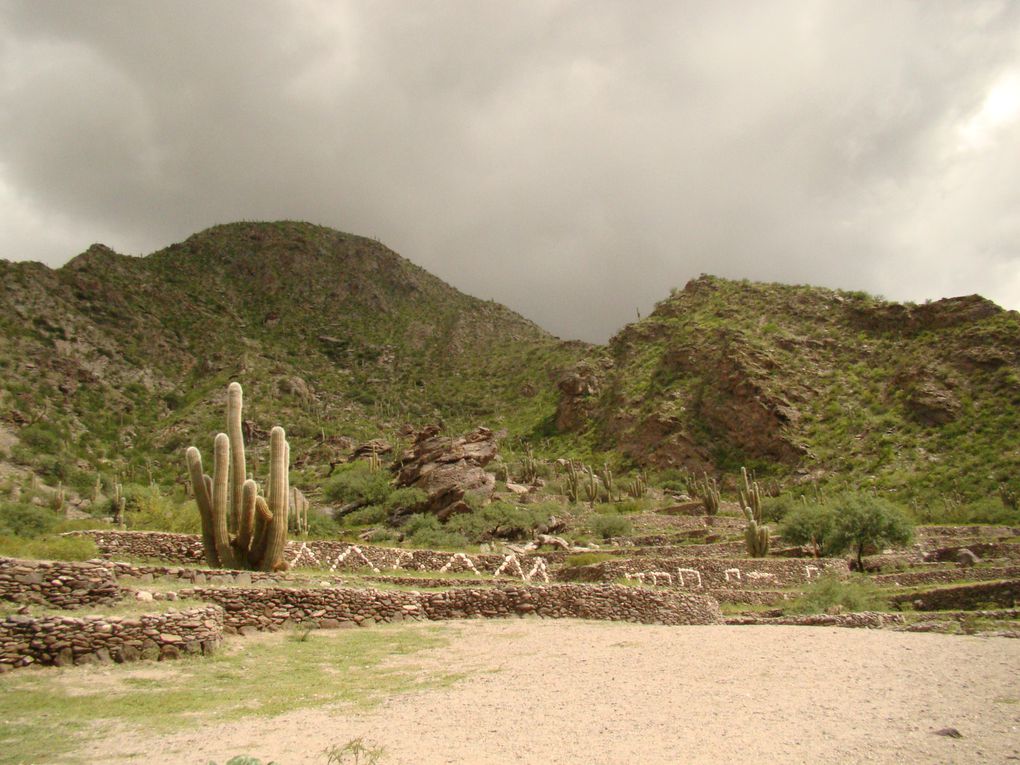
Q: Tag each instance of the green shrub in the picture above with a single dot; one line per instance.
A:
(49, 547)
(404, 499)
(146, 508)
(424, 530)
(499, 520)
(21, 519)
(357, 482)
(609, 525)
(775, 509)
(829, 592)
(366, 516)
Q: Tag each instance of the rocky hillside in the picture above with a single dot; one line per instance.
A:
(115, 362)
(810, 384)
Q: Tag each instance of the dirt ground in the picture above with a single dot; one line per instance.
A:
(589, 692)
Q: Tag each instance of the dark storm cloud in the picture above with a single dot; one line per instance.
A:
(574, 160)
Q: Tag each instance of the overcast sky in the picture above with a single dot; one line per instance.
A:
(574, 160)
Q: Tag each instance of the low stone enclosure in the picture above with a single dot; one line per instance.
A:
(711, 573)
(61, 640)
(28, 639)
(693, 573)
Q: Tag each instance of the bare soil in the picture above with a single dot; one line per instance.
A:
(587, 692)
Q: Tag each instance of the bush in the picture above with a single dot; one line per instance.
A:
(404, 499)
(829, 592)
(607, 525)
(146, 508)
(20, 519)
(499, 520)
(357, 482)
(49, 548)
(367, 516)
(423, 530)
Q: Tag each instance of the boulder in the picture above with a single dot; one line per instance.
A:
(446, 469)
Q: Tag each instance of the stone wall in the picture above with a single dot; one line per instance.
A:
(946, 576)
(965, 597)
(698, 573)
(58, 584)
(62, 640)
(330, 555)
(250, 609)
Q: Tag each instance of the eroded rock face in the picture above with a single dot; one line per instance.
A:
(579, 389)
(447, 468)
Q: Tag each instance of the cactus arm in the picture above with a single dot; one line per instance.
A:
(276, 536)
(237, 466)
(246, 522)
(204, 502)
(221, 487)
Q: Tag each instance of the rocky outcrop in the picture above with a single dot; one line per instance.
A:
(446, 469)
(578, 389)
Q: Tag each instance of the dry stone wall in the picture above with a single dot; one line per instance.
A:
(250, 609)
(327, 554)
(58, 584)
(965, 597)
(712, 573)
(62, 640)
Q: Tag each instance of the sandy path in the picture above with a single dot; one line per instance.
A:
(584, 692)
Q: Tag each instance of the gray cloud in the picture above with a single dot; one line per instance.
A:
(573, 160)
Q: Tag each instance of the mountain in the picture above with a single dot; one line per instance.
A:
(113, 364)
(810, 384)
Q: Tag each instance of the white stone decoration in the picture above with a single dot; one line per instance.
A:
(511, 562)
(693, 572)
(463, 559)
(734, 572)
(539, 569)
(356, 551)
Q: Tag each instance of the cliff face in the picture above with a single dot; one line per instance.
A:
(811, 382)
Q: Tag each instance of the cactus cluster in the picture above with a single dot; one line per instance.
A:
(637, 486)
(529, 467)
(229, 502)
(708, 490)
(756, 535)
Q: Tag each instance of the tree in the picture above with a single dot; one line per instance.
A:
(863, 521)
(809, 525)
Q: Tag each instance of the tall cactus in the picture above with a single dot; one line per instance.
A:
(235, 400)
(573, 482)
(756, 535)
(708, 490)
(228, 502)
(607, 480)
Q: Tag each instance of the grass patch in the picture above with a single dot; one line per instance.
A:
(260, 677)
(830, 593)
